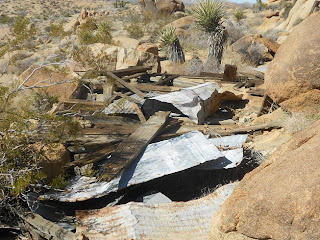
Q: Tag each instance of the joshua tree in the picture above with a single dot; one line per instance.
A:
(208, 14)
(171, 44)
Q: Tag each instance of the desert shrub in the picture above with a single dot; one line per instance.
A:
(253, 55)
(287, 8)
(104, 32)
(272, 34)
(297, 122)
(259, 6)
(238, 14)
(22, 29)
(146, 24)
(57, 30)
(4, 19)
(20, 126)
(92, 32)
(135, 30)
(235, 31)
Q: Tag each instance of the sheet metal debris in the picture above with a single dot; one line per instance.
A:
(186, 151)
(123, 106)
(176, 220)
(231, 148)
(154, 198)
(196, 102)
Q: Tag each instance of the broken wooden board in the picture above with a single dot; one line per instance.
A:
(268, 105)
(85, 103)
(130, 148)
(46, 229)
(131, 70)
(166, 80)
(127, 85)
(93, 157)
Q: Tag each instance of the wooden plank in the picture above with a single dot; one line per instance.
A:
(112, 129)
(136, 75)
(147, 87)
(212, 75)
(46, 228)
(139, 113)
(93, 157)
(84, 102)
(131, 70)
(127, 85)
(259, 127)
(131, 148)
(108, 90)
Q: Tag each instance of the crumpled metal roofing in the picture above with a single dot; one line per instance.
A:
(192, 101)
(159, 159)
(176, 220)
(123, 106)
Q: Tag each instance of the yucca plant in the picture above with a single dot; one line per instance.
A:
(170, 42)
(238, 14)
(208, 18)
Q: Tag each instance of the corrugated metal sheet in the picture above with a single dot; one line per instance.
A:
(159, 159)
(123, 106)
(177, 220)
(196, 102)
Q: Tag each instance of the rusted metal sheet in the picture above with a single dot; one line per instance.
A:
(186, 151)
(176, 220)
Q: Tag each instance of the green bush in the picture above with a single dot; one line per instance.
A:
(238, 14)
(20, 126)
(92, 32)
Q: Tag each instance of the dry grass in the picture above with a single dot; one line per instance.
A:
(297, 122)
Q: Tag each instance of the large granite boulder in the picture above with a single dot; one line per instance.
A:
(278, 200)
(295, 70)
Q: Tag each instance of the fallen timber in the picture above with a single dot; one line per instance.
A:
(130, 148)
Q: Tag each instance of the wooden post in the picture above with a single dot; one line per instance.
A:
(108, 89)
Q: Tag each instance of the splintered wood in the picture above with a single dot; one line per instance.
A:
(131, 148)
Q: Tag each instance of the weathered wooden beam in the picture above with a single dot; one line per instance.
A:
(165, 80)
(131, 99)
(136, 75)
(139, 113)
(93, 157)
(131, 147)
(46, 228)
(131, 70)
(86, 103)
(127, 85)
(259, 127)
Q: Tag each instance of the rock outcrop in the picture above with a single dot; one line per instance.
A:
(278, 200)
(55, 156)
(300, 11)
(55, 83)
(295, 69)
(168, 6)
(113, 57)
